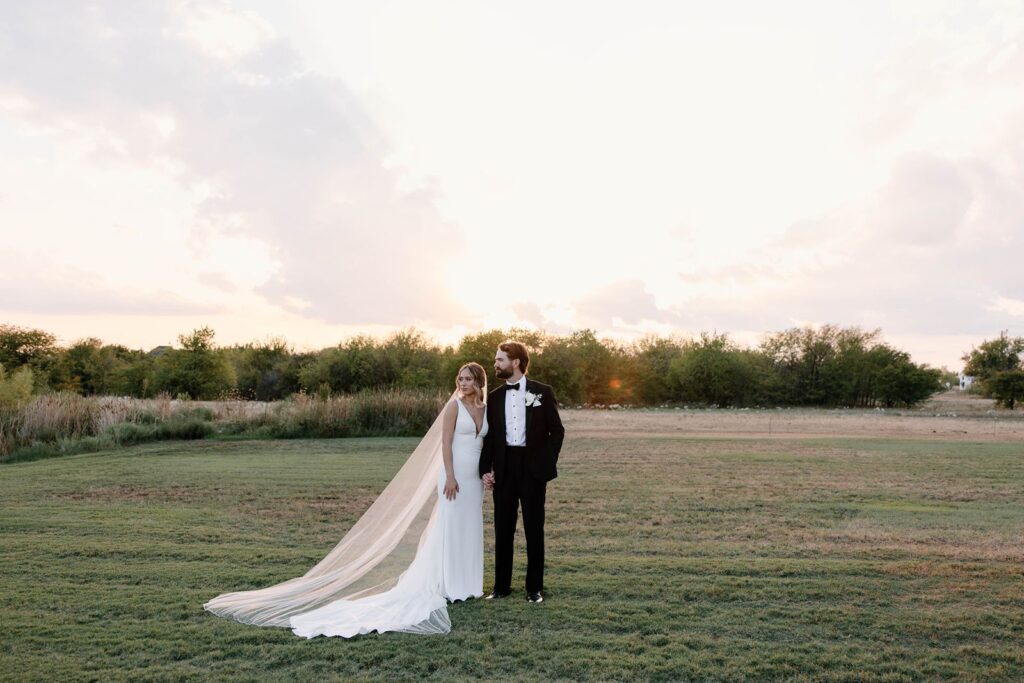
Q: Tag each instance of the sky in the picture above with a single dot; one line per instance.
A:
(316, 170)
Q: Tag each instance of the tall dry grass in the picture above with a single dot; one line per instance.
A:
(59, 423)
(65, 417)
(396, 412)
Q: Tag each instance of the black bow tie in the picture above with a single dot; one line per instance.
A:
(512, 387)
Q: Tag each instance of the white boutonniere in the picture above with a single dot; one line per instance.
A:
(532, 399)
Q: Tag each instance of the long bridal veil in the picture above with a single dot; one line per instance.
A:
(368, 560)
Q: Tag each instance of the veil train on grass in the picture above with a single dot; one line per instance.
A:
(369, 559)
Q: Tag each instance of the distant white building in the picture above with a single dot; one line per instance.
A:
(965, 382)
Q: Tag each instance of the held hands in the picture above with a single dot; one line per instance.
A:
(488, 480)
(451, 487)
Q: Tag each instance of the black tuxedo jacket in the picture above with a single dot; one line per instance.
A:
(544, 434)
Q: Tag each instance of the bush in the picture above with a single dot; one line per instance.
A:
(199, 413)
(64, 446)
(17, 388)
(183, 428)
(904, 383)
(127, 433)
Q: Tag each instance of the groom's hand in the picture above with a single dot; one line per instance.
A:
(488, 480)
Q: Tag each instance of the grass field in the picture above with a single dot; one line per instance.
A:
(671, 556)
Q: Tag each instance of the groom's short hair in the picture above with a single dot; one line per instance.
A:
(514, 350)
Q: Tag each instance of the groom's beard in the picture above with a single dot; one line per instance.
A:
(503, 374)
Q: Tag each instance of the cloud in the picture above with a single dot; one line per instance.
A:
(35, 284)
(532, 314)
(936, 250)
(925, 201)
(954, 54)
(618, 303)
(1014, 307)
(735, 274)
(217, 281)
(286, 156)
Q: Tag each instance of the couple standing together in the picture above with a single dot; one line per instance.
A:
(432, 511)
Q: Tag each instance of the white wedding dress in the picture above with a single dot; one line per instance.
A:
(449, 562)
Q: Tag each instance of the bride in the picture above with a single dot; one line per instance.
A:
(428, 522)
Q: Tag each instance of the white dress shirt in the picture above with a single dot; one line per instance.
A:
(515, 415)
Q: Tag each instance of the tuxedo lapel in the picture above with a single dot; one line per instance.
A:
(529, 411)
(500, 409)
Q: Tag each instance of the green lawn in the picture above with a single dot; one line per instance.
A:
(668, 559)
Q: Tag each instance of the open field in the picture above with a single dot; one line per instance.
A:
(951, 416)
(683, 545)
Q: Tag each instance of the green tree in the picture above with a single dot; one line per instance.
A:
(22, 346)
(15, 388)
(411, 361)
(580, 368)
(847, 372)
(74, 367)
(559, 365)
(844, 366)
(198, 369)
(714, 371)
(352, 366)
(653, 360)
(901, 382)
(993, 356)
(1007, 387)
(37, 349)
(90, 368)
(799, 355)
(266, 371)
(136, 376)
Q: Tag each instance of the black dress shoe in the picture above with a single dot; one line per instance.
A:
(495, 594)
(535, 597)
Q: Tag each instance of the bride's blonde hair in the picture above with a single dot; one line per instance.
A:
(479, 378)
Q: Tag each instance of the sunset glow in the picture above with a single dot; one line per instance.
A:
(317, 170)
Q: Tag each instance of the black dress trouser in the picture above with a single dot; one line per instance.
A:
(517, 487)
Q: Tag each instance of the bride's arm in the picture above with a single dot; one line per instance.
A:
(451, 414)
(486, 459)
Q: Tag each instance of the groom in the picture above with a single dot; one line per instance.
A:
(517, 461)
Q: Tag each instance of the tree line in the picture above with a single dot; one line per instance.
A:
(826, 366)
